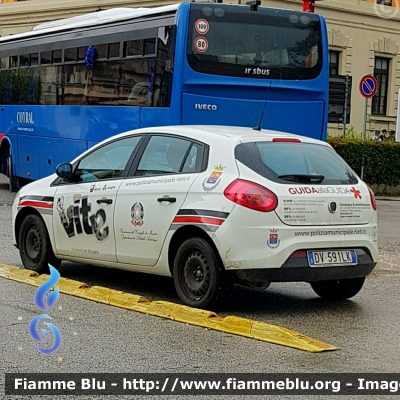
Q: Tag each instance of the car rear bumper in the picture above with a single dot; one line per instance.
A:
(250, 239)
(298, 270)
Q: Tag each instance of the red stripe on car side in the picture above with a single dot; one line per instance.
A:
(197, 220)
(38, 204)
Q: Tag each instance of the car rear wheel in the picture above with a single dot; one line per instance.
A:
(199, 276)
(35, 247)
(340, 289)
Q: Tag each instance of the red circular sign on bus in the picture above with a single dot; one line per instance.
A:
(368, 86)
(201, 26)
(201, 44)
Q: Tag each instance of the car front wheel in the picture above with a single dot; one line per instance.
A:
(199, 276)
(339, 289)
(35, 247)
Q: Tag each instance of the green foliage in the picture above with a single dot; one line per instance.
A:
(381, 159)
(351, 133)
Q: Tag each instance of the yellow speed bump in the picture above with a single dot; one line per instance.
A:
(231, 324)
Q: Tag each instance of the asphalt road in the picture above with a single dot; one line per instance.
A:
(102, 338)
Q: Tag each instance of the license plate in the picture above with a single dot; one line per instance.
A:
(332, 257)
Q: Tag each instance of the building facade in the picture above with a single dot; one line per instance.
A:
(364, 38)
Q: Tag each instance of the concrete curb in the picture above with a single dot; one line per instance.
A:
(230, 324)
(387, 198)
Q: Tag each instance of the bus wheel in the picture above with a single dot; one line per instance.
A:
(199, 276)
(12, 179)
(34, 245)
(340, 289)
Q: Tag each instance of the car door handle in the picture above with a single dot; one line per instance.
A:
(166, 198)
(106, 201)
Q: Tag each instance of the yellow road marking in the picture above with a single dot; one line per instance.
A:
(208, 319)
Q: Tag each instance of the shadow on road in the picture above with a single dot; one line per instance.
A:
(294, 299)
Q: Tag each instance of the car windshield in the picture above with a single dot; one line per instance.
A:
(295, 162)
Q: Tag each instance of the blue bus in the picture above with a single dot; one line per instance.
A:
(69, 84)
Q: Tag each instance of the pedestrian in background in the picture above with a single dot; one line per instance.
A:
(383, 135)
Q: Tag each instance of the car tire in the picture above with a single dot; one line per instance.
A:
(339, 289)
(199, 276)
(35, 247)
(10, 173)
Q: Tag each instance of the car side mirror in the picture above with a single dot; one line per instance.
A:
(64, 171)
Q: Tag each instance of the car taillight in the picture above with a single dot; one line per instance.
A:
(372, 198)
(251, 195)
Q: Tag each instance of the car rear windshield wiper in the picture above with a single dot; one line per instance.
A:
(302, 178)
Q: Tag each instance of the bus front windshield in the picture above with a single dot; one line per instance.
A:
(266, 43)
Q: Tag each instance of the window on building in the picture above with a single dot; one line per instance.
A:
(339, 98)
(385, 2)
(339, 91)
(334, 62)
(381, 73)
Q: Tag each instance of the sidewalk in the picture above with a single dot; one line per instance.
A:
(388, 198)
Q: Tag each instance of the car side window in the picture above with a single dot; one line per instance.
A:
(192, 159)
(165, 155)
(107, 162)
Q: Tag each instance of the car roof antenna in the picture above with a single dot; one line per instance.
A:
(258, 127)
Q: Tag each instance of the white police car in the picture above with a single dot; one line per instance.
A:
(209, 206)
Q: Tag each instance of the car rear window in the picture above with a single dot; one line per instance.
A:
(289, 163)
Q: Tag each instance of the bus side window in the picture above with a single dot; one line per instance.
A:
(75, 91)
(164, 67)
(103, 86)
(136, 83)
